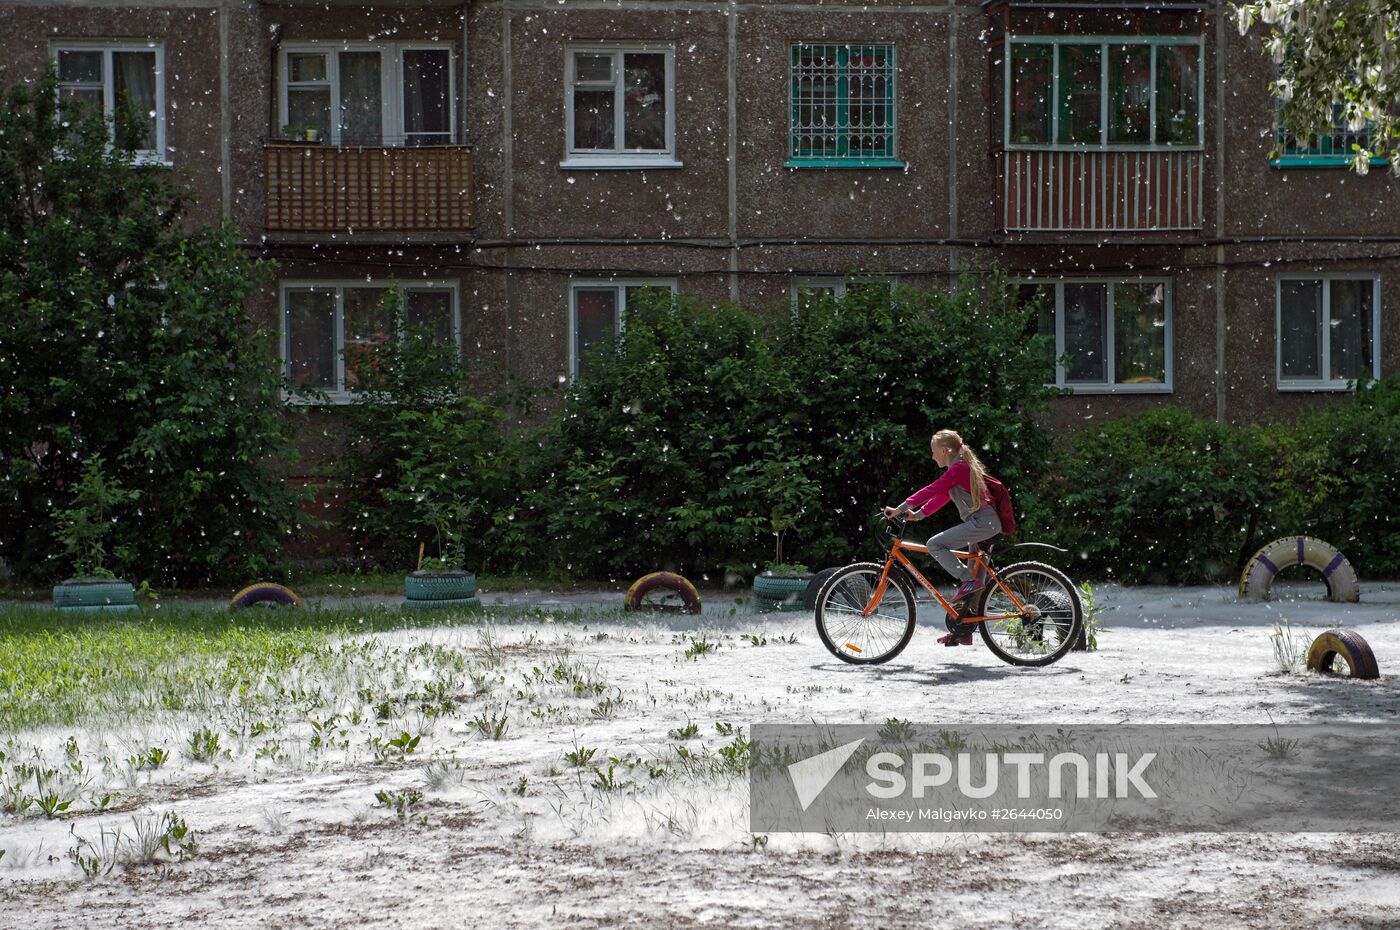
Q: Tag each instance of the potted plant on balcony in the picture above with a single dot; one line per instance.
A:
(301, 133)
(83, 527)
(443, 580)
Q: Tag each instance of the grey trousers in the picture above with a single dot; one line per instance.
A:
(980, 525)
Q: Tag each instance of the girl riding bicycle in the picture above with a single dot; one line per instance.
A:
(963, 483)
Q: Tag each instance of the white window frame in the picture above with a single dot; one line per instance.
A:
(156, 156)
(390, 83)
(618, 158)
(1325, 383)
(1103, 145)
(620, 285)
(836, 283)
(1110, 348)
(339, 394)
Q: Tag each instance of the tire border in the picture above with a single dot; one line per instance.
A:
(898, 578)
(1257, 579)
(1348, 644)
(665, 580)
(265, 592)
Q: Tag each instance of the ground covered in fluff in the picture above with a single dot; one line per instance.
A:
(578, 767)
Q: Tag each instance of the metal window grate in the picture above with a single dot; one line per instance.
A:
(1337, 143)
(843, 101)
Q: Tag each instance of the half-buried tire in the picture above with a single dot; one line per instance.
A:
(266, 594)
(1258, 576)
(814, 587)
(1343, 647)
(664, 592)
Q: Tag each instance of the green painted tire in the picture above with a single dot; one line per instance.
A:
(781, 587)
(439, 586)
(765, 604)
(441, 603)
(94, 594)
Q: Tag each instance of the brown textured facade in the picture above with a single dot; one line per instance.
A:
(498, 216)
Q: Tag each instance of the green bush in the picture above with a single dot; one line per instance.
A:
(125, 340)
(671, 439)
(1335, 477)
(427, 461)
(1163, 497)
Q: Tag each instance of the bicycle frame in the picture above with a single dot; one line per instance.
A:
(897, 554)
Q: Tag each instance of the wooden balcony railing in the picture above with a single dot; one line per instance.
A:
(320, 188)
(1100, 191)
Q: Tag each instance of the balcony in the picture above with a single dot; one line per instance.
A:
(370, 193)
(1087, 191)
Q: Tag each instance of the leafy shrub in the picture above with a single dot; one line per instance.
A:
(1162, 497)
(1335, 477)
(672, 438)
(427, 460)
(126, 340)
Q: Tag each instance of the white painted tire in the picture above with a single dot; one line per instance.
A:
(1337, 573)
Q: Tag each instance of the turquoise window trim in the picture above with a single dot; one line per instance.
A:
(1319, 161)
(843, 163)
(843, 132)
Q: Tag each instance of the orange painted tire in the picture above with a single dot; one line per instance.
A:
(663, 592)
(1348, 646)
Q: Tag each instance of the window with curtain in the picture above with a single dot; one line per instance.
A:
(620, 105)
(1108, 336)
(394, 93)
(105, 79)
(1328, 328)
(332, 331)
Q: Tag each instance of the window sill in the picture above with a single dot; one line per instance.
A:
(1326, 387)
(618, 162)
(327, 399)
(1114, 388)
(1320, 161)
(843, 163)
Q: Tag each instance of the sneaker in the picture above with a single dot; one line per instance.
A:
(954, 639)
(968, 588)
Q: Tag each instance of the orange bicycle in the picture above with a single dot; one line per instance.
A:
(1028, 613)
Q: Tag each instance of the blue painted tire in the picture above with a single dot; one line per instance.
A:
(439, 586)
(765, 604)
(1258, 576)
(98, 609)
(441, 603)
(266, 594)
(107, 592)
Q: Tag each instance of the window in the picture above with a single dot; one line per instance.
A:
(330, 330)
(807, 291)
(620, 107)
(842, 107)
(1328, 331)
(105, 77)
(1333, 149)
(596, 312)
(368, 94)
(1110, 336)
(1130, 92)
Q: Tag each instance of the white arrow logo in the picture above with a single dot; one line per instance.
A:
(811, 776)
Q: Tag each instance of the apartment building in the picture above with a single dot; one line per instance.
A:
(523, 167)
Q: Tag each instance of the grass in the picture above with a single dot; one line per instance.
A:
(58, 669)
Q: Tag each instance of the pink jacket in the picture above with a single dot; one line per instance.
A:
(931, 497)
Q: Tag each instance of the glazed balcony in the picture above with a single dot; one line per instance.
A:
(318, 191)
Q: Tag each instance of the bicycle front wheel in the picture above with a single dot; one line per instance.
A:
(847, 631)
(1040, 624)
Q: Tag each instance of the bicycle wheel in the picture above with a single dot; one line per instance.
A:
(859, 639)
(1044, 628)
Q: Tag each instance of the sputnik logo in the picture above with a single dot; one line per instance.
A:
(811, 776)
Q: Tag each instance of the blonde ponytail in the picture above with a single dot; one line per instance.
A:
(952, 442)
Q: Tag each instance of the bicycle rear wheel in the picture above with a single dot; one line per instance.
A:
(842, 626)
(1044, 627)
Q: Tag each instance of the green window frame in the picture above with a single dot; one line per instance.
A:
(1098, 93)
(1333, 150)
(842, 107)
